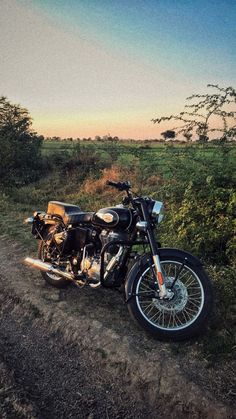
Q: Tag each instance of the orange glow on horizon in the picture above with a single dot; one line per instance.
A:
(121, 124)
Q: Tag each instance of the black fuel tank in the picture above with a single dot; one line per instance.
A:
(119, 218)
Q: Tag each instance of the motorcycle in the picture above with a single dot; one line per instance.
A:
(167, 290)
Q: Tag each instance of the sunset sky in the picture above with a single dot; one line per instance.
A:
(93, 67)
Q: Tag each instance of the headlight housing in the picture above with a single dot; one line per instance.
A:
(158, 211)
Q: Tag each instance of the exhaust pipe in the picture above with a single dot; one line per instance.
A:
(47, 267)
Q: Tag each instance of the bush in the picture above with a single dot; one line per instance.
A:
(20, 148)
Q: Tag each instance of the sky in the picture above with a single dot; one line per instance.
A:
(92, 67)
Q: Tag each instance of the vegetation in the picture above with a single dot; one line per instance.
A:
(197, 118)
(168, 134)
(196, 181)
(19, 145)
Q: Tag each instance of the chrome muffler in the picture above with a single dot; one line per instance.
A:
(47, 267)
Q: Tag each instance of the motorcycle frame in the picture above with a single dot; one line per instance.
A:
(140, 205)
(127, 243)
(150, 240)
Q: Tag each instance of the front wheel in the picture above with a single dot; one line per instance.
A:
(186, 313)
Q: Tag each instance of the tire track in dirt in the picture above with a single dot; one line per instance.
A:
(126, 369)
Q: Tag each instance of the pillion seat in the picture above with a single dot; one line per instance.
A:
(71, 214)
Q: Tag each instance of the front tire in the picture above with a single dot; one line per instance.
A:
(180, 318)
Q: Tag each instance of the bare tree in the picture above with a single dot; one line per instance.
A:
(208, 110)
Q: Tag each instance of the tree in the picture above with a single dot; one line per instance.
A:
(14, 117)
(188, 136)
(204, 115)
(20, 147)
(169, 134)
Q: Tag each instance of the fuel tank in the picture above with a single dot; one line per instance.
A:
(119, 218)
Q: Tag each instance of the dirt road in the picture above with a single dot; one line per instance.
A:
(77, 354)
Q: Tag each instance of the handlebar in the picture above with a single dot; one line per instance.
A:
(121, 186)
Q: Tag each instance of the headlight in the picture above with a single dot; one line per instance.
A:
(158, 211)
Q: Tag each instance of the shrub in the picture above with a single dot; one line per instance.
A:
(20, 148)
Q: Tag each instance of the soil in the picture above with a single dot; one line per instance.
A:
(76, 353)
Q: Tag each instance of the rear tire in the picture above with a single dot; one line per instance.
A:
(51, 279)
(182, 317)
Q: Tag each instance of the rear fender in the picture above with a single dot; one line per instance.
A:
(147, 258)
(41, 226)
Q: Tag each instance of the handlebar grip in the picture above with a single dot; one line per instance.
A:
(111, 183)
(121, 186)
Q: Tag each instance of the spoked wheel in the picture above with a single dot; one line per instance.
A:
(182, 316)
(44, 253)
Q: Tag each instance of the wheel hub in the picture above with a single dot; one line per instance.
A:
(179, 299)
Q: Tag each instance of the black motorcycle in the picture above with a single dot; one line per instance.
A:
(167, 290)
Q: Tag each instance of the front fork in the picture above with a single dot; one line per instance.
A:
(164, 293)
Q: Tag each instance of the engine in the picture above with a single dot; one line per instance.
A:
(111, 236)
(91, 264)
(82, 247)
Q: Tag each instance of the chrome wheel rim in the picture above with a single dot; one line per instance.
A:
(185, 306)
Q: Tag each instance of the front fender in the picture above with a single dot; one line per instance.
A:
(163, 252)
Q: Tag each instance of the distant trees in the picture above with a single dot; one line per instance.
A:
(20, 147)
(210, 113)
(169, 134)
(188, 136)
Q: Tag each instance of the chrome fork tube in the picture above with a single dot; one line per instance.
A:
(160, 279)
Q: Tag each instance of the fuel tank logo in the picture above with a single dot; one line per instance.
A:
(108, 218)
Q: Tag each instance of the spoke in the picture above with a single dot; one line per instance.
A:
(176, 317)
(149, 305)
(174, 321)
(163, 318)
(173, 318)
(169, 323)
(188, 284)
(164, 271)
(194, 302)
(195, 299)
(149, 311)
(145, 302)
(145, 286)
(185, 312)
(196, 293)
(193, 306)
(189, 311)
(186, 320)
(158, 313)
(169, 270)
(148, 277)
(184, 273)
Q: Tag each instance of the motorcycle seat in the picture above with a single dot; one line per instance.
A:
(80, 218)
(70, 214)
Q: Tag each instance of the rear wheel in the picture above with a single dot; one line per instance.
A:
(44, 253)
(182, 316)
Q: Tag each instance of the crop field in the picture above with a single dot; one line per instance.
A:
(159, 157)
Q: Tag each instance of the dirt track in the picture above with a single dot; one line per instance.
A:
(77, 354)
